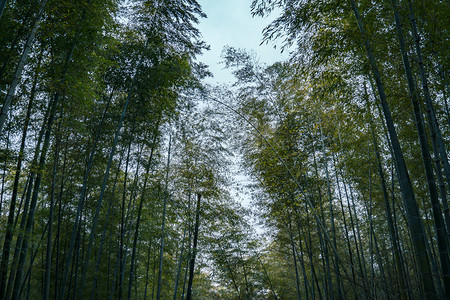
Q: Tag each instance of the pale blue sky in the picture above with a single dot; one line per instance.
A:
(230, 23)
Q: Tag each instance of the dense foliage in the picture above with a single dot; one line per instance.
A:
(117, 160)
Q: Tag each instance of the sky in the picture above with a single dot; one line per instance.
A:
(230, 22)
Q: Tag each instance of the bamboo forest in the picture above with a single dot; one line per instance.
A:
(125, 173)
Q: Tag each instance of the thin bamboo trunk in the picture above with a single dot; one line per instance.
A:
(21, 65)
(48, 258)
(2, 7)
(58, 226)
(147, 268)
(105, 227)
(435, 132)
(154, 276)
(347, 237)
(391, 215)
(161, 252)
(33, 254)
(388, 212)
(82, 196)
(333, 228)
(180, 261)
(10, 222)
(309, 249)
(128, 223)
(31, 180)
(308, 286)
(123, 224)
(247, 291)
(328, 284)
(354, 223)
(115, 275)
(194, 249)
(94, 223)
(15, 261)
(34, 198)
(294, 256)
(190, 249)
(356, 235)
(437, 213)
(15, 41)
(5, 166)
(139, 212)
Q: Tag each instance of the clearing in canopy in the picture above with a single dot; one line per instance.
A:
(126, 174)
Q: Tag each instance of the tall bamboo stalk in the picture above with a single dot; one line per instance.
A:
(161, 250)
(435, 132)
(139, 212)
(194, 249)
(414, 220)
(18, 74)
(437, 213)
